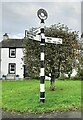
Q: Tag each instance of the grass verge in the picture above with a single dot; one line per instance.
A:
(23, 96)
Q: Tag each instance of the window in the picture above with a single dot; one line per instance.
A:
(12, 68)
(12, 52)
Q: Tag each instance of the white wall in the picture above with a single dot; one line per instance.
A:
(19, 62)
(5, 60)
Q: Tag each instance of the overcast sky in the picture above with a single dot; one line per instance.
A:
(18, 16)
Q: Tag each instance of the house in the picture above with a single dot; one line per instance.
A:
(11, 58)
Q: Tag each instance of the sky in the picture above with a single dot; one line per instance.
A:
(81, 16)
(20, 15)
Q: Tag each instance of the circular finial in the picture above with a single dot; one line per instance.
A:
(42, 14)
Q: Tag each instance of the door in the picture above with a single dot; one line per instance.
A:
(25, 71)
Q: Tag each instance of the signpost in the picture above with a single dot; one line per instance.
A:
(47, 39)
(42, 14)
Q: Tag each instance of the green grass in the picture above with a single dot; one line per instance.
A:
(23, 96)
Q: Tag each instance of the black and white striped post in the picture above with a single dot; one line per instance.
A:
(42, 14)
(42, 76)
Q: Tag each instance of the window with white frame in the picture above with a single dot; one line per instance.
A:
(12, 52)
(12, 68)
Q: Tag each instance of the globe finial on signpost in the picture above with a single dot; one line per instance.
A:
(42, 14)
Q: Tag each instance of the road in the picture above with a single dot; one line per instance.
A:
(70, 114)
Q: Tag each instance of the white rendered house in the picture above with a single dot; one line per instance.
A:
(11, 58)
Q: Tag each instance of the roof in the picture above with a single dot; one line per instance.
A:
(17, 43)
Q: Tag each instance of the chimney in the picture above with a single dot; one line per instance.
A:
(5, 36)
(82, 35)
(25, 33)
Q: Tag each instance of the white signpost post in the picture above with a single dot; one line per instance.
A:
(42, 14)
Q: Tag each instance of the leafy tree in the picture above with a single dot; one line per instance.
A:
(58, 58)
(80, 67)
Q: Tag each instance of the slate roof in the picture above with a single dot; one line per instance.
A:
(17, 43)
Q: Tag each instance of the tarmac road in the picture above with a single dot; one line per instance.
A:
(70, 114)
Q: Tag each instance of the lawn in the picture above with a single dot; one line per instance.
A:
(23, 96)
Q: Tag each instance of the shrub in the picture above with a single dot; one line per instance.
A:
(17, 75)
(62, 76)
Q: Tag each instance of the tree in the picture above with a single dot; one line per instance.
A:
(80, 67)
(58, 57)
